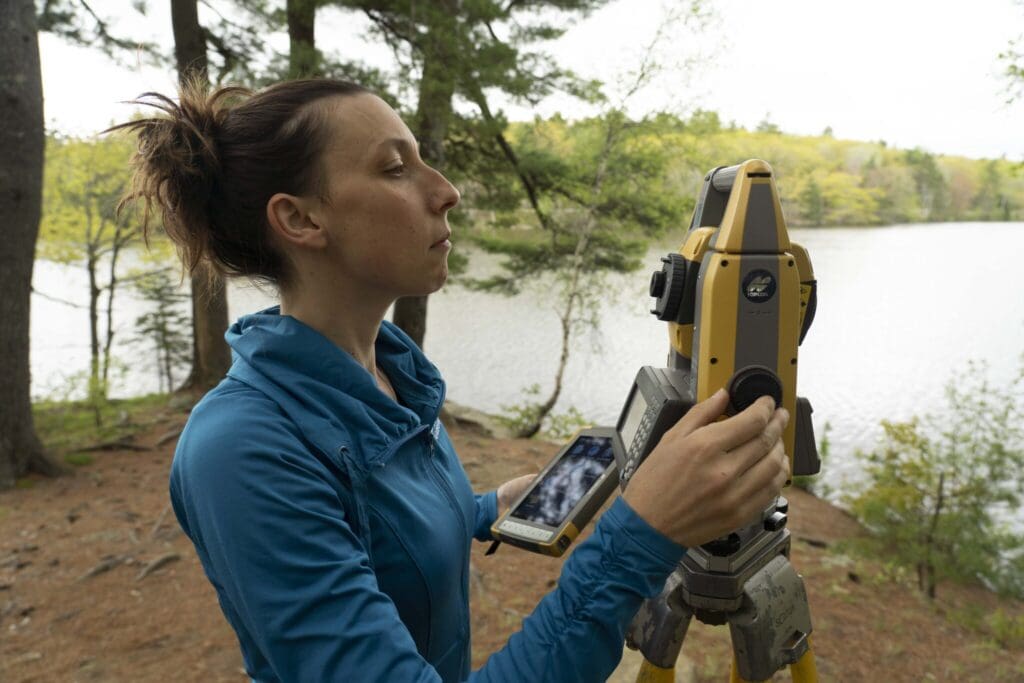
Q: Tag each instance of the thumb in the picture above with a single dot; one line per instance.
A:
(704, 413)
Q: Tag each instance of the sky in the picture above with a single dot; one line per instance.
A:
(913, 73)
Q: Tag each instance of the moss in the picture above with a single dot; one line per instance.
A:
(64, 426)
(78, 459)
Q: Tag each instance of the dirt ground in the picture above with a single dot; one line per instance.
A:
(97, 583)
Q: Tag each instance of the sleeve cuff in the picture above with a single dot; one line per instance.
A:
(486, 514)
(630, 525)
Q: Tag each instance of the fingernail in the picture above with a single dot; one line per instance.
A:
(719, 393)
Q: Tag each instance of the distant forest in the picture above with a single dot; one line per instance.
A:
(823, 181)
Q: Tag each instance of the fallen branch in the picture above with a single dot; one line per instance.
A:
(156, 564)
(104, 566)
(159, 521)
(113, 446)
(169, 436)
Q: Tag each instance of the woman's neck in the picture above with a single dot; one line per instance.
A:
(351, 322)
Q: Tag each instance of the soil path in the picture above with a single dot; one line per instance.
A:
(97, 583)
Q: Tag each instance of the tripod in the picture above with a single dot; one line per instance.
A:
(745, 580)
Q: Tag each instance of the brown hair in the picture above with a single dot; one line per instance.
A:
(213, 159)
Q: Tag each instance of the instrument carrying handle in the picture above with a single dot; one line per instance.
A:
(723, 178)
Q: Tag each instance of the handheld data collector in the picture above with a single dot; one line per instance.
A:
(566, 495)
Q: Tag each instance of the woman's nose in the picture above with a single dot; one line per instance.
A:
(445, 195)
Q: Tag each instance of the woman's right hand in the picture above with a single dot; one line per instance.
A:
(707, 478)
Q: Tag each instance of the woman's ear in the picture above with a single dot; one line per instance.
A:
(294, 220)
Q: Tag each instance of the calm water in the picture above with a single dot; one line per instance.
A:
(899, 309)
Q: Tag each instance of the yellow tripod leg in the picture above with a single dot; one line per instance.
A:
(649, 673)
(734, 672)
(805, 671)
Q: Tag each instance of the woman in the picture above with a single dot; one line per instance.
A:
(322, 494)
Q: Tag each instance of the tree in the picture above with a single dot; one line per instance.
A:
(598, 189)
(83, 182)
(430, 125)
(211, 357)
(931, 184)
(991, 202)
(165, 326)
(21, 177)
(455, 50)
(76, 22)
(304, 60)
(812, 202)
(1013, 57)
(937, 485)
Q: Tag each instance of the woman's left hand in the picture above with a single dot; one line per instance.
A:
(511, 490)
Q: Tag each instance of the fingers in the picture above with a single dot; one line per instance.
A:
(704, 413)
(741, 428)
(512, 489)
(763, 480)
(745, 455)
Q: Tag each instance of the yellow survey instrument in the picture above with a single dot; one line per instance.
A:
(739, 297)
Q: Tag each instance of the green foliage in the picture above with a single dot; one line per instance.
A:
(64, 425)
(78, 459)
(823, 181)
(76, 22)
(1007, 629)
(1013, 58)
(167, 326)
(522, 416)
(617, 195)
(84, 180)
(939, 487)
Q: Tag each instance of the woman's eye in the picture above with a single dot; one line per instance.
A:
(396, 170)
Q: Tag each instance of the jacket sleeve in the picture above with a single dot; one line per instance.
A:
(576, 633)
(296, 583)
(486, 513)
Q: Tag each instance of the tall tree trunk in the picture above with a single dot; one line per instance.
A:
(97, 392)
(303, 60)
(108, 342)
(211, 357)
(21, 184)
(926, 568)
(433, 115)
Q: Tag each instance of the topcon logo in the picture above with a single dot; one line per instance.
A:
(759, 286)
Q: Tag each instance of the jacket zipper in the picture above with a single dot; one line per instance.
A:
(449, 493)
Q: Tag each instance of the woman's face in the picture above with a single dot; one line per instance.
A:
(386, 212)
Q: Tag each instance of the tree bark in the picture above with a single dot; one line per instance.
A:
(926, 568)
(21, 183)
(433, 115)
(96, 390)
(211, 357)
(303, 60)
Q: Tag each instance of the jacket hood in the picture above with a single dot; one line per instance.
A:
(330, 397)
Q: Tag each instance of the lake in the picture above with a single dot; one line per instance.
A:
(900, 309)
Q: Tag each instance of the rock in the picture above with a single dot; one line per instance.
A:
(476, 421)
(181, 402)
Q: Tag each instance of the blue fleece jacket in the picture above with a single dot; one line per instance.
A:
(335, 525)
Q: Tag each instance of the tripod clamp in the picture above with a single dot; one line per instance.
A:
(752, 587)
